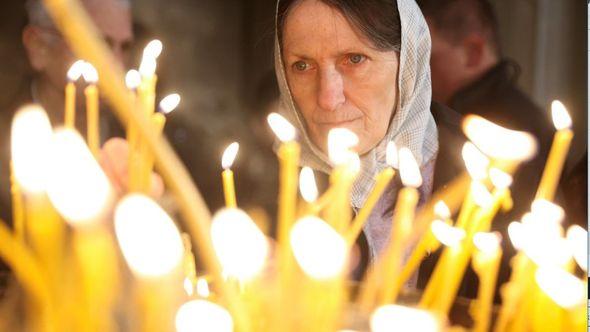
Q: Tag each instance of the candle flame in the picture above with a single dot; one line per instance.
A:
(188, 286)
(563, 288)
(203, 288)
(441, 210)
(76, 70)
(475, 161)
(392, 317)
(153, 49)
(340, 142)
(229, 155)
(543, 242)
(147, 67)
(391, 155)
(481, 195)
(281, 127)
(547, 211)
(516, 234)
(307, 185)
(169, 103)
(446, 234)
(487, 242)
(202, 315)
(408, 169)
(241, 247)
(30, 140)
(132, 79)
(139, 223)
(499, 142)
(560, 116)
(89, 73)
(577, 239)
(77, 186)
(499, 178)
(319, 250)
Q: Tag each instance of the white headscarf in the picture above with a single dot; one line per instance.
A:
(412, 124)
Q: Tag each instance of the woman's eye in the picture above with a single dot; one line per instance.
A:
(356, 58)
(300, 66)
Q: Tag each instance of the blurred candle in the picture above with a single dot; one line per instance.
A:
(227, 176)
(308, 189)
(486, 263)
(73, 75)
(577, 239)
(398, 318)
(558, 153)
(132, 81)
(202, 315)
(92, 112)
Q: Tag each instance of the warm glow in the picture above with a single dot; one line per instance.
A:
(408, 169)
(475, 161)
(188, 286)
(202, 315)
(30, 140)
(147, 67)
(318, 248)
(76, 70)
(307, 185)
(202, 288)
(340, 143)
(241, 247)
(487, 242)
(398, 318)
(516, 234)
(132, 79)
(499, 142)
(447, 234)
(481, 195)
(153, 49)
(169, 103)
(547, 211)
(499, 178)
(76, 184)
(282, 128)
(562, 287)
(441, 210)
(542, 241)
(90, 74)
(577, 239)
(391, 155)
(560, 116)
(149, 239)
(229, 155)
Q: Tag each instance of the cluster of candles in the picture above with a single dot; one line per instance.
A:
(72, 231)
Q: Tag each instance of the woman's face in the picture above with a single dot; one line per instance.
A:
(336, 76)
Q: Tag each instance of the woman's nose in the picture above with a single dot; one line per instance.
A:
(331, 90)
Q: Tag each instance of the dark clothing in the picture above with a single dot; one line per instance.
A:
(497, 98)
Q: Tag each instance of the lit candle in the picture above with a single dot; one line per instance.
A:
(486, 263)
(139, 223)
(132, 81)
(577, 239)
(398, 318)
(309, 191)
(382, 180)
(227, 176)
(558, 153)
(91, 92)
(202, 315)
(403, 216)
(73, 75)
(477, 165)
(147, 69)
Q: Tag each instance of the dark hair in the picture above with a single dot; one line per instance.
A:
(456, 19)
(377, 20)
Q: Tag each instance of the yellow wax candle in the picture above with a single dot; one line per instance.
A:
(381, 181)
(558, 153)
(403, 217)
(132, 81)
(486, 263)
(73, 75)
(158, 122)
(229, 191)
(288, 157)
(92, 117)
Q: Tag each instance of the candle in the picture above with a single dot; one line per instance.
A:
(382, 180)
(558, 153)
(227, 176)
(477, 165)
(132, 81)
(393, 317)
(73, 75)
(309, 191)
(577, 240)
(401, 224)
(91, 92)
(147, 69)
(202, 315)
(486, 263)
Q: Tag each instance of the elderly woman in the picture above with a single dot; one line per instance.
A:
(364, 66)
